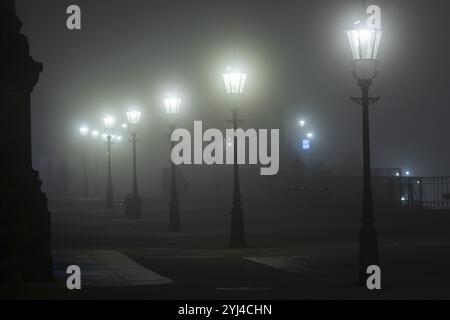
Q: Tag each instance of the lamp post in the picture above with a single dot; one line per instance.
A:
(95, 135)
(133, 201)
(172, 104)
(364, 43)
(235, 85)
(84, 132)
(109, 125)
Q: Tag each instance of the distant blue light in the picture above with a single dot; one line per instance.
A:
(306, 144)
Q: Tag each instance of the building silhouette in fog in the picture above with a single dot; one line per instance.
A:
(25, 242)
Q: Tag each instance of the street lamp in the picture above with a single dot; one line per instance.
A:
(172, 104)
(133, 201)
(235, 85)
(109, 125)
(84, 132)
(95, 135)
(364, 44)
(302, 123)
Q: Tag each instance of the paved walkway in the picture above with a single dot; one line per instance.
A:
(105, 269)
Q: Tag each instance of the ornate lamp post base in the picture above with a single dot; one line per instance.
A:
(133, 206)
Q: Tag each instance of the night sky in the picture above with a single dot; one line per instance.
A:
(295, 52)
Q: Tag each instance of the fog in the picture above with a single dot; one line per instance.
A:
(297, 58)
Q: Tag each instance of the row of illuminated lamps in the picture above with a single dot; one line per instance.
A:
(234, 82)
(85, 131)
(364, 44)
(407, 173)
(306, 143)
(109, 123)
(302, 124)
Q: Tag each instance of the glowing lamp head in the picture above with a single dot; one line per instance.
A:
(134, 117)
(95, 134)
(172, 104)
(234, 81)
(302, 123)
(134, 121)
(364, 43)
(310, 135)
(84, 131)
(109, 123)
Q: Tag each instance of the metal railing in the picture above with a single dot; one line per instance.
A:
(425, 192)
(431, 193)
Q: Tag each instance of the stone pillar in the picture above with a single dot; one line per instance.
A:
(25, 231)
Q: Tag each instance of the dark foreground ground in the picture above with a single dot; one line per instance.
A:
(293, 253)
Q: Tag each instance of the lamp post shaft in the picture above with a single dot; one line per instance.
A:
(109, 188)
(96, 173)
(133, 201)
(85, 171)
(368, 235)
(174, 214)
(135, 183)
(237, 234)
